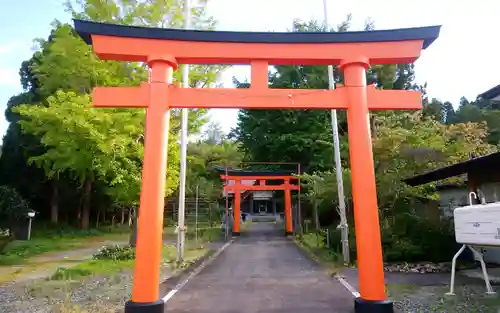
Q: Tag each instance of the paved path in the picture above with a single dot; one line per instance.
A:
(262, 272)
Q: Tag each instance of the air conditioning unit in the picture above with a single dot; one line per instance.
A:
(478, 224)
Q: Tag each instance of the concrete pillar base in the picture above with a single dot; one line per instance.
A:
(373, 306)
(149, 307)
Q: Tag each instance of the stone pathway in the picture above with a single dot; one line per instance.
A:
(262, 272)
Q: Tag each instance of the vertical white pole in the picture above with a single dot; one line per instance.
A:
(181, 235)
(338, 165)
(196, 217)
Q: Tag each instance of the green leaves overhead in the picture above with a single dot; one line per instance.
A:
(55, 128)
(66, 62)
(103, 143)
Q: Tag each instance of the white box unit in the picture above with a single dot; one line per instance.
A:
(478, 224)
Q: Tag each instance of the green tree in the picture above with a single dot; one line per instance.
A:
(315, 194)
(90, 144)
(305, 136)
(408, 144)
(64, 62)
(202, 156)
(13, 207)
(480, 110)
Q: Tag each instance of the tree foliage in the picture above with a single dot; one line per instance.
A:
(404, 144)
(213, 149)
(72, 152)
(305, 136)
(12, 205)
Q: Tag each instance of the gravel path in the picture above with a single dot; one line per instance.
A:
(425, 293)
(94, 295)
(262, 272)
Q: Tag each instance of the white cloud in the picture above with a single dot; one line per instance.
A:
(10, 58)
(9, 47)
(9, 77)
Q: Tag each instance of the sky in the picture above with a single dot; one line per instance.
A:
(461, 62)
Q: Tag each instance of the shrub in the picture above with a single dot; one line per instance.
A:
(115, 253)
(336, 243)
(407, 238)
(63, 273)
(12, 205)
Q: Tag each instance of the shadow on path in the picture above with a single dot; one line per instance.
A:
(262, 272)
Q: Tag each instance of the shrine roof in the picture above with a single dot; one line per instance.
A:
(245, 172)
(87, 28)
(477, 165)
(491, 94)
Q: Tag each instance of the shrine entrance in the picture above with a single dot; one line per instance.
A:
(263, 207)
(248, 180)
(164, 49)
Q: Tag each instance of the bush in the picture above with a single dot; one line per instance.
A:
(408, 238)
(12, 205)
(336, 243)
(115, 253)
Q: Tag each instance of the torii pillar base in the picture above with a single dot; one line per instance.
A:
(373, 306)
(150, 307)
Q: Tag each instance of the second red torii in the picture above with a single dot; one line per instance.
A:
(238, 187)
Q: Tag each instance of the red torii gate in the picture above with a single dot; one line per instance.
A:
(287, 186)
(164, 49)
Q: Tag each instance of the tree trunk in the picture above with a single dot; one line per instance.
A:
(85, 220)
(133, 227)
(122, 221)
(97, 219)
(131, 213)
(373, 126)
(54, 203)
(316, 217)
(103, 217)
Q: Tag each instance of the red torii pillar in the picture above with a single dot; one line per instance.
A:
(165, 48)
(288, 208)
(237, 207)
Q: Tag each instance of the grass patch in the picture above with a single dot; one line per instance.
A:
(205, 234)
(395, 290)
(109, 266)
(91, 268)
(18, 252)
(313, 244)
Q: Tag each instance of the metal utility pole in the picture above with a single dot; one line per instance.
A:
(338, 166)
(181, 234)
(196, 216)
